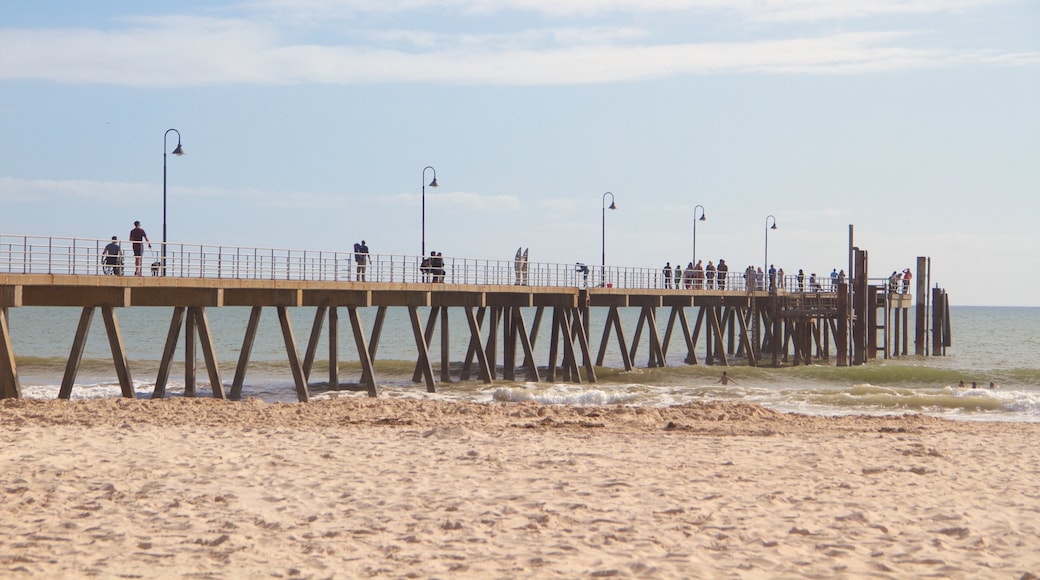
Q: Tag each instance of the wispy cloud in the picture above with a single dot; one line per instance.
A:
(765, 10)
(456, 201)
(257, 49)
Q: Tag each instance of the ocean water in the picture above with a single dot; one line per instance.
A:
(990, 344)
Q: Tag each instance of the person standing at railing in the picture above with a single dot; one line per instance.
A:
(584, 271)
(438, 268)
(721, 270)
(361, 257)
(667, 275)
(426, 267)
(138, 237)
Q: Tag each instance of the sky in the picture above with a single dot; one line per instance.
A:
(307, 124)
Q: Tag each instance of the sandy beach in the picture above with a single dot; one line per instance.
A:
(355, 487)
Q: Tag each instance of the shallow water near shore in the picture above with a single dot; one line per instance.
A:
(990, 344)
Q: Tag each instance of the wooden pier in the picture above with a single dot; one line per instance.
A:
(754, 326)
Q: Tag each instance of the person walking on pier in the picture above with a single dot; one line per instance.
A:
(801, 280)
(667, 275)
(138, 237)
(772, 278)
(361, 257)
(709, 275)
(721, 271)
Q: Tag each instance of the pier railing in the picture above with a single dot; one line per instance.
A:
(26, 254)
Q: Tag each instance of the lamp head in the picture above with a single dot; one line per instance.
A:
(703, 218)
(179, 150)
(773, 227)
(434, 182)
(612, 205)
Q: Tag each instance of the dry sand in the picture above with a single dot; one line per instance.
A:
(349, 488)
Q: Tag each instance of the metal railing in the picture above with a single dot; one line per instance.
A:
(25, 254)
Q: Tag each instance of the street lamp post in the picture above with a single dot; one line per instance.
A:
(432, 184)
(695, 220)
(765, 267)
(178, 151)
(603, 237)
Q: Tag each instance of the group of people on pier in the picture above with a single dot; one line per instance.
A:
(716, 277)
(697, 277)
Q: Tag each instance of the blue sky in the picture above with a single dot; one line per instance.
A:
(307, 124)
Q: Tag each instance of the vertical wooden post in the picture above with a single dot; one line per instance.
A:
(189, 355)
(334, 348)
(921, 309)
(445, 347)
(9, 385)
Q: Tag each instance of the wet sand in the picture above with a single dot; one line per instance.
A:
(356, 487)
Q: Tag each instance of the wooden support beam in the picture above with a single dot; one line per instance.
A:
(491, 349)
(533, 335)
(528, 346)
(554, 345)
(583, 343)
(302, 393)
(420, 345)
(209, 352)
(373, 345)
(570, 361)
(10, 388)
(614, 322)
(189, 354)
(431, 326)
(720, 346)
(475, 343)
(115, 343)
(508, 344)
(637, 336)
(79, 342)
(445, 347)
(745, 337)
(474, 332)
(684, 325)
(243, 356)
(672, 316)
(334, 347)
(367, 368)
(656, 351)
(172, 336)
(314, 339)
